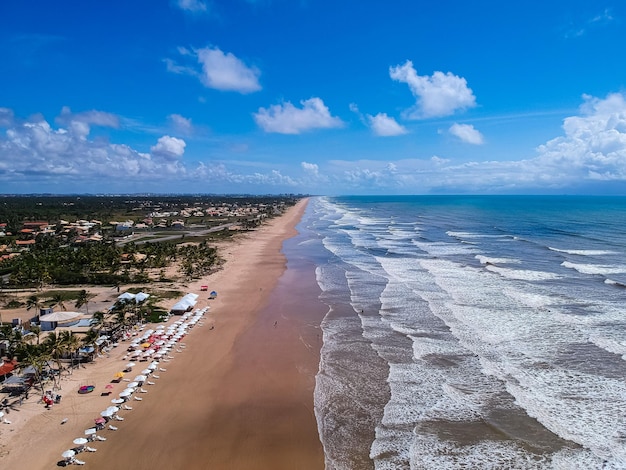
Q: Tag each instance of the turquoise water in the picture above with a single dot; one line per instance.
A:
(471, 332)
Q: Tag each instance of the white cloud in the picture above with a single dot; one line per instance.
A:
(466, 133)
(438, 95)
(33, 149)
(310, 168)
(594, 144)
(192, 6)
(219, 70)
(287, 119)
(181, 124)
(385, 126)
(169, 148)
(226, 72)
(79, 124)
(6, 117)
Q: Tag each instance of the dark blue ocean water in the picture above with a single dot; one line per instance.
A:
(471, 332)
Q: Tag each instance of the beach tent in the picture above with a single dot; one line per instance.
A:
(141, 297)
(126, 296)
(185, 304)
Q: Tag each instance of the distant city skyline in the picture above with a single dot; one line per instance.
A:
(312, 97)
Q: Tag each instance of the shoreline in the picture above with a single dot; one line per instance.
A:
(203, 409)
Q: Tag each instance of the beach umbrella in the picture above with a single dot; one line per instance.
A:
(108, 387)
(146, 371)
(132, 385)
(146, 345)
(106, 413)
(68, 454)
(80, 441)
(126, 393)
(100, 420)
(130, 365)
(113, 409)
(117, 401)
(140, 378)
(119, 375)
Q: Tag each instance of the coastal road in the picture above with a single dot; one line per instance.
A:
(138, 239)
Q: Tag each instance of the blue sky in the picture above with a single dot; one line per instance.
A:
(313, 96)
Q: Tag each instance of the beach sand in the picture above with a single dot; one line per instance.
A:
(238, 395)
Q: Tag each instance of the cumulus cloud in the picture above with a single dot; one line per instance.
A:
(79, 124)
(181, 124)
(34, 150)
(385, 126)
(466, 133)
(287, 119)
(438, 95)
(226, 72)
(219, 70)
(169, 148)
(310, 168)
(594, 143)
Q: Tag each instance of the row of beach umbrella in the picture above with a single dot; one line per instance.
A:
(162, 338)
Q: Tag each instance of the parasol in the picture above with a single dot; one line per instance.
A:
(68, 454)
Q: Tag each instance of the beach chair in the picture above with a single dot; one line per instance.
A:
(150, 383)
(126, 407)
(77, 462)
(138, 398)
(143, 391)
(90, 449)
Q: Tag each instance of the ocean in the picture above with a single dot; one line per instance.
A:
(470, 332)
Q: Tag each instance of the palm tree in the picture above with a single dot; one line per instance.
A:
(36, 330)
(14, 338)
(34, 302)
(82, 299)
(55, 347)
(57, 299)
(97, 320)
(71, 344)
(36, 356)
(90, 338)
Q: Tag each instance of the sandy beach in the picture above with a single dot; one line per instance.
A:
(238, 395)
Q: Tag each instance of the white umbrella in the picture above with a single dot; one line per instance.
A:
(140, 378)
(130, 365)
(106, 413)
(68, 454)
(126, 393)
(132, 385)
(80, 441)
(146, 371)
(117, 401)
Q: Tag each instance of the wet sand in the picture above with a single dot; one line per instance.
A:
(238, 396)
